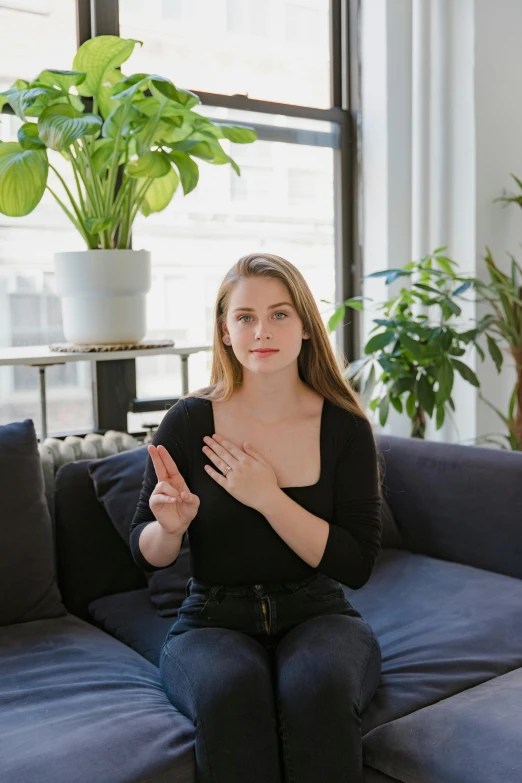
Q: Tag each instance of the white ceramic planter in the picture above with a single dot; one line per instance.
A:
(103, 294)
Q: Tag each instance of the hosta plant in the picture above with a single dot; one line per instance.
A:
(130, 141)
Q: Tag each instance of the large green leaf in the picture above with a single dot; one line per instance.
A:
(210, 149)
(163, 88)
(160, 193)
(169, 131)
(23, 177)
(379, 341)
(152, 164)
(97, 56)
(102, 155)
(495, 352)
(354, 303)
(60, 125)
(237, 133)
(130, 85)
(63, 80)
(411, 403)
(397, 403)
(466, 372)
(445, 379)
(425, 394)
(150, 106)
(336, 318)
(106, 103)
(31, 101)
(415, 347)
(28, 137)
(383, 409)
(188, 170)
(114, 121)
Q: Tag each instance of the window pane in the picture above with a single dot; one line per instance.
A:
(35, 34)
(273, 50)
(30, 310)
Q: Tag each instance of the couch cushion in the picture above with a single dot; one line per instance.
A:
(455, 502)
(443, 627)
(132, 618)
(473, 737)
(79, 705)
(27, 564)
(117, 482)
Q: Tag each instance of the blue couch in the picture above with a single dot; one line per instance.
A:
(82, 627)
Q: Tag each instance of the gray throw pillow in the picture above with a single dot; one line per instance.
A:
(117, 483)
(27, 568)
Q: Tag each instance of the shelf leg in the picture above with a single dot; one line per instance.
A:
(43, 402)
(184, 373)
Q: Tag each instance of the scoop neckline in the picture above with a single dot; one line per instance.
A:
(322, 444)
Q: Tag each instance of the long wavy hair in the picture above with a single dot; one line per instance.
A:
(318, 365)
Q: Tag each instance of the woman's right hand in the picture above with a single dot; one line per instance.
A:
(171, 501)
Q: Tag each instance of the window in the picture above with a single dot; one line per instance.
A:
(269, 55)
(30, 6)
(266, 49)
(174, 9)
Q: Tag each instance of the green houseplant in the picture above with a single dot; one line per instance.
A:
(130, 142)
(419, 359)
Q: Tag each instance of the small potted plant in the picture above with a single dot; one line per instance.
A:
(130, 140)
(418, 357)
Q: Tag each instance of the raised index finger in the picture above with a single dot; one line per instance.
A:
(168, 462)
(157, 461)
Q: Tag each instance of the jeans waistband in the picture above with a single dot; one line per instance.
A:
(268, 587)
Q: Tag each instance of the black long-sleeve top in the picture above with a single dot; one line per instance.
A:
(232, 543)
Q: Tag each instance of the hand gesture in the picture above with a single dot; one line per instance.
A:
(171, 501)
(252, 479)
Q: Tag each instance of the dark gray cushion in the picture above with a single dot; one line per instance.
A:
(454, 502)
(443, 627)
(93, 560)
(473, 737)
(117, 482)
(132, 618)
(27, 573)
(77, 705)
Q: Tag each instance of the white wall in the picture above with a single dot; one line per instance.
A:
(441, 121)
(498, 100)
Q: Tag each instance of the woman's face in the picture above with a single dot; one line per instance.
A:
(253, 322)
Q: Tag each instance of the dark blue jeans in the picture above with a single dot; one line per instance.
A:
(275, 678)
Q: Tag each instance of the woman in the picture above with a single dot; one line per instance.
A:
(274, 469)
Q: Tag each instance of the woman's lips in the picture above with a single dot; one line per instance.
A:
(264, 353)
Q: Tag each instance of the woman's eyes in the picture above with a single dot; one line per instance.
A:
(277, 319)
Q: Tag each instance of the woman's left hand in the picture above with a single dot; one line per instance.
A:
(251, 481)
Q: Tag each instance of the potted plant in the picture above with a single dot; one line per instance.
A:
(419, 358)
(130, 141)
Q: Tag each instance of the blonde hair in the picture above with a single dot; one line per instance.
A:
(317, 363)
